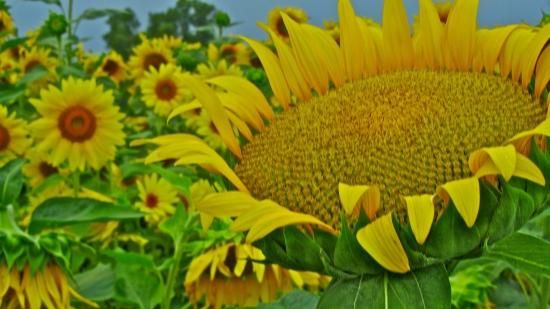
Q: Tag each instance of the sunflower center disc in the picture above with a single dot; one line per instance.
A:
(4, 138)
(154, 60)
(406, 132)
(77, 124)
(166, 90)
(110, 67)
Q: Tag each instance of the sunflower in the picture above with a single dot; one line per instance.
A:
(278, 26)
(392, 126)
(236, 53)
(48, 287)
(38, 168)
(6, 23)
(112, 66)
(168, 41)
(37, 57)
(148, 55)
(14, 139)
(229, 275)
(79, 124)
(163, 88)
(157, 198)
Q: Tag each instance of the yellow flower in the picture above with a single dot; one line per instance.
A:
(112, 66)
(228, 275)
(237, 53)
(79, 124)
(277, 25)
(386, 121)
(168, 41)
(38, 57)
(47, 287)
(163, 88)
(14, 139)
(38, 168)
(221, 68)
(157, 198)
(6, 23)
(148, 55)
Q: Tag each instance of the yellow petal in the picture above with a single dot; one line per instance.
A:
(240, 125)
(380, 240)
(197, 266)
(420, 210)
(531, 55)
(241, 108)
(5, 282)
(82, 299)
(373, 45)
(505, 58)
(242, 87)
(207, 97)
(504, 158)
(492, 44)
(227, 204)
(189, 149)
(293, 75)
(331, 57)
(398, 46)
(465, 194)
(306, 51)
(542, 129)
(528, 170)
(353, 196)
(461, 33)
(430, 35)
(518, 53)
(184, 108)
(351, 42)
(543, 72)
(273, 71)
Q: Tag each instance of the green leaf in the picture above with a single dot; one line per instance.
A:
(137, 280)
(91, 13)
(175, 226)
(71, 70)
(422, 288)
(297, 299)
(62, 211)
(11, 182)
(450, 237)
(302, 250)
(54, 2)
(12, 93)
(97, 284)
(514, 210)
(12, 43)
(524, 252)
(349, 256)
(35, 74)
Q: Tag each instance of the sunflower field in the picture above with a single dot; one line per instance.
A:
(356, 164)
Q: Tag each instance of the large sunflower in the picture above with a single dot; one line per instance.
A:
(14, 138)
(232, 275)
(79, 124)
(391, 123)
(163, 88)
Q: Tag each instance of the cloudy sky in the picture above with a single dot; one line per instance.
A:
(29, 14)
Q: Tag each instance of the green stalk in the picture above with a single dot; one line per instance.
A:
(70, 27)
(173, 273)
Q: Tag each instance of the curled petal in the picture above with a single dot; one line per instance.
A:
(353, 197)
(465, 194)
(504, 158)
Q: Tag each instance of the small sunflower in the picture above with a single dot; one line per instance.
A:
(233, 53)
(205, 128)
(163, 88)
(168, 41)
(6, 23)
(79, 124)
(277, 25)
(397, 124)
(37, 57)
(157, 198)
(38, 168)
(47, 287)
(230, 275)
(14, 138)
(112, 66)
(221, 68)
(148, 55)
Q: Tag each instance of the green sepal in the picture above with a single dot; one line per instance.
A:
(417, 257)
(56, 247)
(36, 258)
(422, 288)
(349, 256)
(514, 210)
(450, 237)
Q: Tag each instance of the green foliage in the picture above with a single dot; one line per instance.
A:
(55, 25)
(189, 19)
(297, 299)
(123, 35)
(98, 283)
(11, 182)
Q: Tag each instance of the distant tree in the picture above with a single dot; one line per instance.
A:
(191, 19)
(123, 33)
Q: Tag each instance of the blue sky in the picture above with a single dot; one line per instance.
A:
(491, 12)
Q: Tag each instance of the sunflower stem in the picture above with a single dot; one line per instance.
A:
(173, 273)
